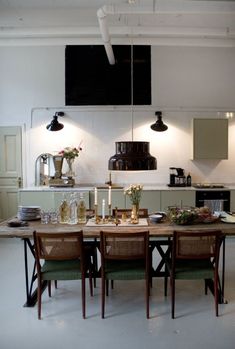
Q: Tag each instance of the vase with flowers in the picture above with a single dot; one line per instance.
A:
(69, 154)
(134, 192)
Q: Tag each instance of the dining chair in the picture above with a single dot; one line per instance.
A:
(124, 256)
(91, 249)
(195, 255)
(60, 256)
(143, 212)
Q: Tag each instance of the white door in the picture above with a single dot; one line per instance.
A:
(10, 170)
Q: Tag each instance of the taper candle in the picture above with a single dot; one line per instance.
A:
(96, 196)
(109, 201)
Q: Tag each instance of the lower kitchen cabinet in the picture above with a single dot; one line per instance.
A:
(49, 200)
(150, 199)
(178, 198)
(8, 202)
(44, 199)
(117, 198)
(60, 195)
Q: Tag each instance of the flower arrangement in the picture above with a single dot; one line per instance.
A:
(134, 192)
(70, 153)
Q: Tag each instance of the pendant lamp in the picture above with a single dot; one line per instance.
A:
(159, 126)
(55, 125)
(130, 155)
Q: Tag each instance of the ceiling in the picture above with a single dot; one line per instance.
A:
(157, 22)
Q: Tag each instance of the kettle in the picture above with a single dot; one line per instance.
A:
(177, 177)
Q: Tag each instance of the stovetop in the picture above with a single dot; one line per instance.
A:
(208, 185)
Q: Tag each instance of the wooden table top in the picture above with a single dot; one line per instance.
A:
(164, 229)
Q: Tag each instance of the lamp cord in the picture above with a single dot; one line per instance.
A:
(132, 92)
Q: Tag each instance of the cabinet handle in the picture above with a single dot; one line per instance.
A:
(19, 180)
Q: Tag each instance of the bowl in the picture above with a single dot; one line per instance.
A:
(156, 218)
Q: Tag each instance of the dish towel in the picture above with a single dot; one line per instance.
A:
(214, 205)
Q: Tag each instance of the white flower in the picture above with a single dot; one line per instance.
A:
(134, 192)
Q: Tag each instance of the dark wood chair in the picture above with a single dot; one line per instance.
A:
(195, 255)
(91, 248)
(60, 256)
(124, 256)
(143, 212)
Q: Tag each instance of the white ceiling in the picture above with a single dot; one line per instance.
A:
(194, 22)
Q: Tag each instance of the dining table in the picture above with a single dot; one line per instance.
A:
(160, 240)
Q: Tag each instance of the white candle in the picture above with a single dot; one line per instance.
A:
(103, 209)
(109, 195)
(96, 196)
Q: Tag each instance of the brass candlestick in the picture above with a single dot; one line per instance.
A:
(110, 218)
(116, 220)
(97, 218)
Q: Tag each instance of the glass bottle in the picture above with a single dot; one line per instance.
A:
(73, 216)
(64, 211)
(189, 180)
(81, 210)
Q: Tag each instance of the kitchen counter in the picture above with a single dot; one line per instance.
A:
(121, 187)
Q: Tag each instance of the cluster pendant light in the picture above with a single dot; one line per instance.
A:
(132, 155)
(55, 125)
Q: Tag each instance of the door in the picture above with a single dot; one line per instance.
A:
(10, 170)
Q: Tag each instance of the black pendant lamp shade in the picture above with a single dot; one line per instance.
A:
(159, 126)
(132, 156)
(55, 125)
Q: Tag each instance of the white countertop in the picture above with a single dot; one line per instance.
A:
(90, 187)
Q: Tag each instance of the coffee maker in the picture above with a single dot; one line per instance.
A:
(177, 177)
(58, 180)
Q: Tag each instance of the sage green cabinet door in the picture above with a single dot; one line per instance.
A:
(177, 198)
(44, 199)
(58, 197)
(210, 139)
(117, 199)
(9, 202)
(150, 199)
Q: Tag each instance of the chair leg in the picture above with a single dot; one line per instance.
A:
(173, 298)
(83, 297)
(90, 284)
(95, 263)
(216, 294)
(107, 287)
(39, 294)
(165, 285)
(103, 284)
(49, 287)
(206, 286)
(147, 293)
(56, 285)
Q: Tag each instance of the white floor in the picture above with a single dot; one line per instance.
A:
(125, 325)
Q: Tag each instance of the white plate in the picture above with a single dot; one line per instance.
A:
(230, 220)
(26, 207)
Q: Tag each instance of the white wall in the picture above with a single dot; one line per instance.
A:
(187, 82)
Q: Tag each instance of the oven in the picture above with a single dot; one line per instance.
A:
(216, 200)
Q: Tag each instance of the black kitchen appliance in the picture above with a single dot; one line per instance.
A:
(216, 200)
(177, 177)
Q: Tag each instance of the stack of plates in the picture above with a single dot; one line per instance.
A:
(29, 213)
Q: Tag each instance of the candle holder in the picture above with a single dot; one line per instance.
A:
(97, 218)
(110, 218)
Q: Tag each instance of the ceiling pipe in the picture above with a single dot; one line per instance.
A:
(191, 7)
(102, 18)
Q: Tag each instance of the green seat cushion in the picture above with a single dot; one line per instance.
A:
(125, 270)
(194, 269)
(61, 270)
